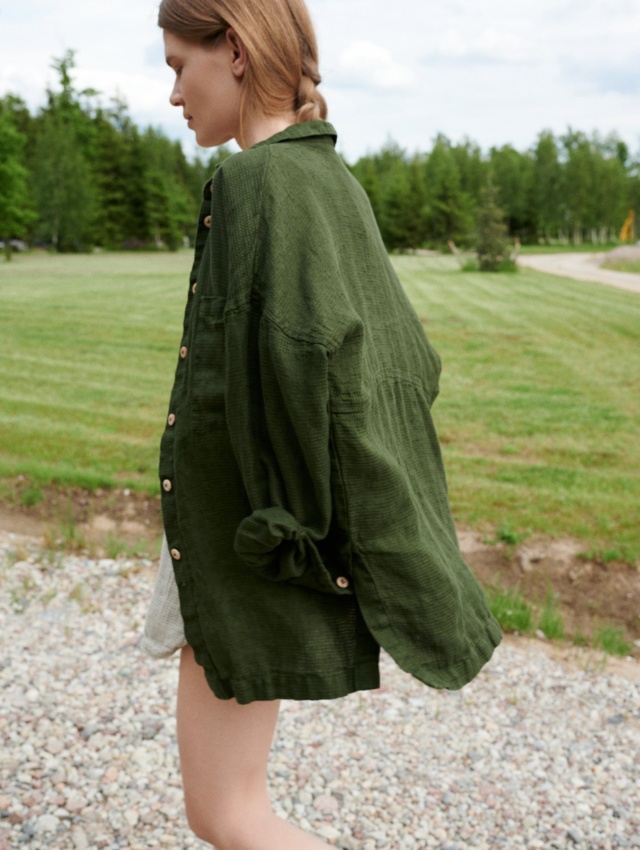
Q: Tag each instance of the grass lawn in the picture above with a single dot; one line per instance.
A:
(569, 248)
(538, 414)
(632, 266)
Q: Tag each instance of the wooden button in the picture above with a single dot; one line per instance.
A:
(194, 287)
(171, 421)
(175, 554)
(167, 486)
(183, 351)
(207, 223)
(342, 582)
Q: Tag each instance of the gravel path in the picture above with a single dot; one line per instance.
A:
(581, 266)
(529, 755)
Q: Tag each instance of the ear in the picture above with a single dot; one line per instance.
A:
(239, 56)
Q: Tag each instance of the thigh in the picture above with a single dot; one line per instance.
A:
(224, 747)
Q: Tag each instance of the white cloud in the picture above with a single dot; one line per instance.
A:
(368, 63)
(497, 71)
(489, 46)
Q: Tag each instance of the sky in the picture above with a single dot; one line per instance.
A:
(495, 71)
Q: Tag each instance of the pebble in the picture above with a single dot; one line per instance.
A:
(529, 755)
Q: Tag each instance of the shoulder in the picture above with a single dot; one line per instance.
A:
(238, 181)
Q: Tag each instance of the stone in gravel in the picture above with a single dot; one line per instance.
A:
(326, 803)
(46, 823)
(575, 835)
(54, 746)
(131, 816)
(79, 838)
(329, 832)
(111, 773)
(75, 803)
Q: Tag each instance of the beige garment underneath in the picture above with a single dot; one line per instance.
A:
(163, 627)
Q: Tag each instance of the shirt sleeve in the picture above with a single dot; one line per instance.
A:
(277, 409)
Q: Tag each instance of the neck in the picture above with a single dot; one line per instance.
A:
(258, 127)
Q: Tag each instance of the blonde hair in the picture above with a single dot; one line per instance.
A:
(282, 73)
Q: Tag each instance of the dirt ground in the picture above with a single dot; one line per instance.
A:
(586, 266)
(104, 522)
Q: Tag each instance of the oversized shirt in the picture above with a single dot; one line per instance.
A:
(303, 493)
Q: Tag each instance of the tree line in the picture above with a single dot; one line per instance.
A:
(78, 175)
(570, 189)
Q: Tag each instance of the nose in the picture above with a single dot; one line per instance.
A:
(175, 99)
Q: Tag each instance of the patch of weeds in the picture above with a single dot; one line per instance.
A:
(77, 593)
(470, 266)
(48, 558)
(579, 639)
(605, 556)
(612, 641)
(31, 495)
(16, 555)
(551, 622)
(599, 666)
(65, 537)
(507, 534)
(7, 491)
(114, 547)
(510, 609)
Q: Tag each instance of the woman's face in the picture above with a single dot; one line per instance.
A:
(207, 86)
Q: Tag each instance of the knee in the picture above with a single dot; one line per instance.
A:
(208, 824)
(225, 825)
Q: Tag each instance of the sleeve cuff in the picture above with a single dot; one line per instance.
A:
(274, 544)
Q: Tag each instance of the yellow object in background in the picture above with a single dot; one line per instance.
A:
(627, 234)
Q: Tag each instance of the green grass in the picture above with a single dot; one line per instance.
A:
(540, 401)
(632, 266)
(510, 609)
(564, 248)
(89, 354)
(517, 614)
(538, 413)
(612, 641)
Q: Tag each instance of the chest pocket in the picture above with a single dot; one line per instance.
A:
(207, 366)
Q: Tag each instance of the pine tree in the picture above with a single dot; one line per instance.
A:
(492, 246)
(16, 211)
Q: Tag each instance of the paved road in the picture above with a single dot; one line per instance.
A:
(581, 267)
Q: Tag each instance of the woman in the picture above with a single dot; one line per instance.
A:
(304, 500)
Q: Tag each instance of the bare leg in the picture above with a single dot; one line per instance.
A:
(224, 749)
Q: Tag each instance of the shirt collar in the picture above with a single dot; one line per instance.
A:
(304, 130)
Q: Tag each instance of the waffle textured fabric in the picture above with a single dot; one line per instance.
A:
(304, 498)
(163, 627)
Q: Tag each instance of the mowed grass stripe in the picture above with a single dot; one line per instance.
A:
(540, 400)
(538, 413)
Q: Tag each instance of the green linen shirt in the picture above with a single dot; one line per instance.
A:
(304, 497)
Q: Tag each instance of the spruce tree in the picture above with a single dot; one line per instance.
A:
(492, 244)
(15, 202)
